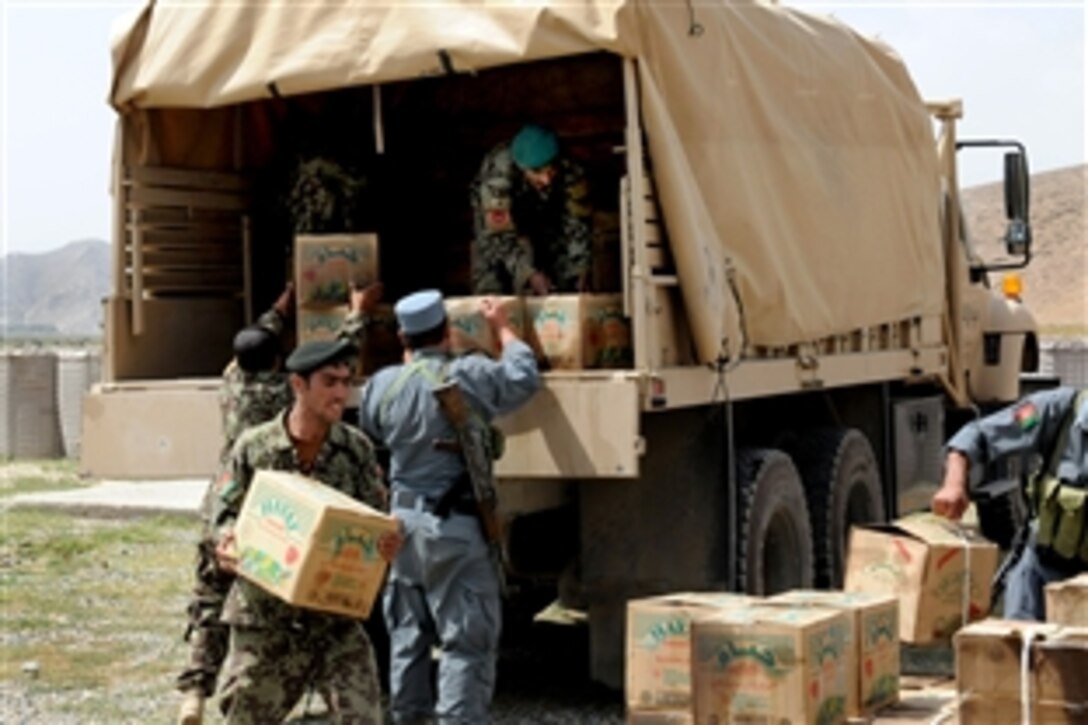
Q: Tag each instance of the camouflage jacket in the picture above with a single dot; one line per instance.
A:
(556, 224)
(345, 462)
(246, 399)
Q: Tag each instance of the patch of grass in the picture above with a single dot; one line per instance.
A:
(18, 477)
(99, 606)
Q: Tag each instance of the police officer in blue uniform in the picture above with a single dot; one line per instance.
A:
(1051, 426)
(443, 589)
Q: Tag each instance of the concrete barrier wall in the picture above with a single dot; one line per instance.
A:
(1067, 359)
(41, 400)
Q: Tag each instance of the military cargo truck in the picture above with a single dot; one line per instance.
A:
(808, 313)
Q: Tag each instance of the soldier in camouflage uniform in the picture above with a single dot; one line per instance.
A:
(532, 219)
(276, 649)
(254, 389)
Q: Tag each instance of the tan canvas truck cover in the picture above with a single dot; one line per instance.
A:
(785, 146)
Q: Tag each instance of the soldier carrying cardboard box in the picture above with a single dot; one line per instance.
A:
(254, 389)
(532, 219)
(277, 649)
(1052, 425)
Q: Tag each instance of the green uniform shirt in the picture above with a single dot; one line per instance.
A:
(520, 230)
(345, 462)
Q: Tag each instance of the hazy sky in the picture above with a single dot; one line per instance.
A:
(1020, 68)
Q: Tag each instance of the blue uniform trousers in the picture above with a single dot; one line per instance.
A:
(1025, 597)
(442, 591)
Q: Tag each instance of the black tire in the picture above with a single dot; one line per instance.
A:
(775, 541)
(842, 483)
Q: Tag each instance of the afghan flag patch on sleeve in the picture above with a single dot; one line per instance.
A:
(1027, 416)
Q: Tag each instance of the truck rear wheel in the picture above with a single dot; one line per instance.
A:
(842, 480)
(775, 544)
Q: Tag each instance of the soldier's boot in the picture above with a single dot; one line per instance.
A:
(192, 708)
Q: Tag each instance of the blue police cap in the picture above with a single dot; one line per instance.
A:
(534, 147)
(310, 356)
(420, 311)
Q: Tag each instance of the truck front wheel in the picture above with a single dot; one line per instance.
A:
(775, 544)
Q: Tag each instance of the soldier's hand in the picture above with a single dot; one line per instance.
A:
(367, 298)
(494, 313)
(389, 544)
(952, 499)
(950, 503)
(540, 284)
(226, 554)
(285, 303)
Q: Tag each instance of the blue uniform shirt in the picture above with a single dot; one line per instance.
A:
(1031, 426)
(409, 420)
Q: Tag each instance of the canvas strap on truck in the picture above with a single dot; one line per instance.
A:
(475, 441)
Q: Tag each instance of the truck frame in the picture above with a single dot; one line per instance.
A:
(742, 473)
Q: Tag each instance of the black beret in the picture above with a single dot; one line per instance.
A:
(251, 338)
(256, 348)
(312, 355)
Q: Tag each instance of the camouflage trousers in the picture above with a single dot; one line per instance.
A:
(269, 669)
(207, 636)
(554, 257)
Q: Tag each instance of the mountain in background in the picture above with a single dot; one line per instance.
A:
(59, 293)
(56, 293)
(1056, 280)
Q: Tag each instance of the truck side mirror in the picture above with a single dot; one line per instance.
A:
(1017, 204)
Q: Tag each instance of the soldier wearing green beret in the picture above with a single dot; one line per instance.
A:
(532, 219)
(254, 389)
(276, 649)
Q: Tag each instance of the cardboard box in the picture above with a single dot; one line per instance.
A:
(875, 630)
(989, 656)
(660, 717)
(659, 645)
(1067, 602)
(321, 323)
(579, 332)
(381, 347)
(926, 563)
(470, 332)
(326, 265)
(771, 665)
(311, 545)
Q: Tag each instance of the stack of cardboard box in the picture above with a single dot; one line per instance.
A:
(799, 657)
(471, 333)
(1015, 672)
(659, 651)
(807, 656)
(940, 573)
(1067, 602)
(567, 332)
(772, 664)
(326, 268)
(874, 663)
